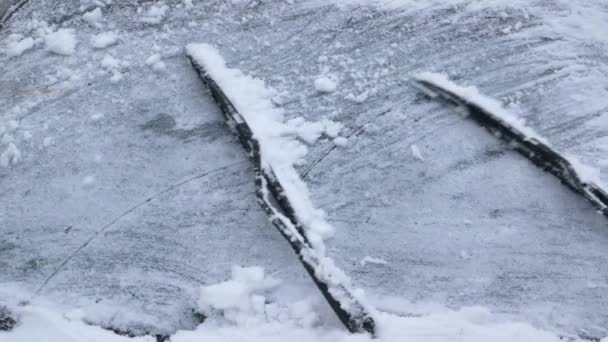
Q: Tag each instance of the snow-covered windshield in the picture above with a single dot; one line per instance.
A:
(128, 206)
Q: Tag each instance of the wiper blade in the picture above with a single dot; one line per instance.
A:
(277, 206)
(531, 147)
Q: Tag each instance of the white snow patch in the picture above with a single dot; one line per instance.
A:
(237, 296)
(416, 152)
(10, 156)
(156, 63)
(88, 180)
(310, 132)
(61, 42)
(155, 14)
(113, 66)
(93, 17)
(258, 320)
(371, 260)
(104, 39)
(17, 48)
(326, 84)
(48, 141)
(341, 141)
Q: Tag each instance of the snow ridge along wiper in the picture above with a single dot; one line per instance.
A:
(277, 206)
(531, 147)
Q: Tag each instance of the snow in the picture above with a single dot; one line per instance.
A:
(371, 260)
(325, 84)
(113, 66)
(239, 310)
(10, 156)
(341, 141)
(155, 14)
(237, 296)
(61, 42)
(155, 62)
(93, 17)
(253, 100)
(472, 94)
(104, 39)
(17, 48)
(416, 152)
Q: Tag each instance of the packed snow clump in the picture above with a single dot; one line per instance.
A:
(238, 297)
(104, 40)
(155, 14)
(93, 17)
(61, 42)
(156, 63)
(17, 48)
(326, 84)
(114, 66)
(10, 156)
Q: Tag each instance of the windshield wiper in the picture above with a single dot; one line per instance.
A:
(538, 152)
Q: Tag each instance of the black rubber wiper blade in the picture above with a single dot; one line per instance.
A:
(537, 151)
(277, 206)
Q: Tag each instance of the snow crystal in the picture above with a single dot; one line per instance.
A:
(10, 156)
(325, 84)
(188, 4)
(61, 42)
(93, 17)
(104, 39)
(17, 48)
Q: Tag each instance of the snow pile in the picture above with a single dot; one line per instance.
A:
(155, 14)
(61, 42)
(104, 39)
(247, 315)
(326, 84)
(16, 48)
(238, 299)
(279, 148)
(93, 17)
